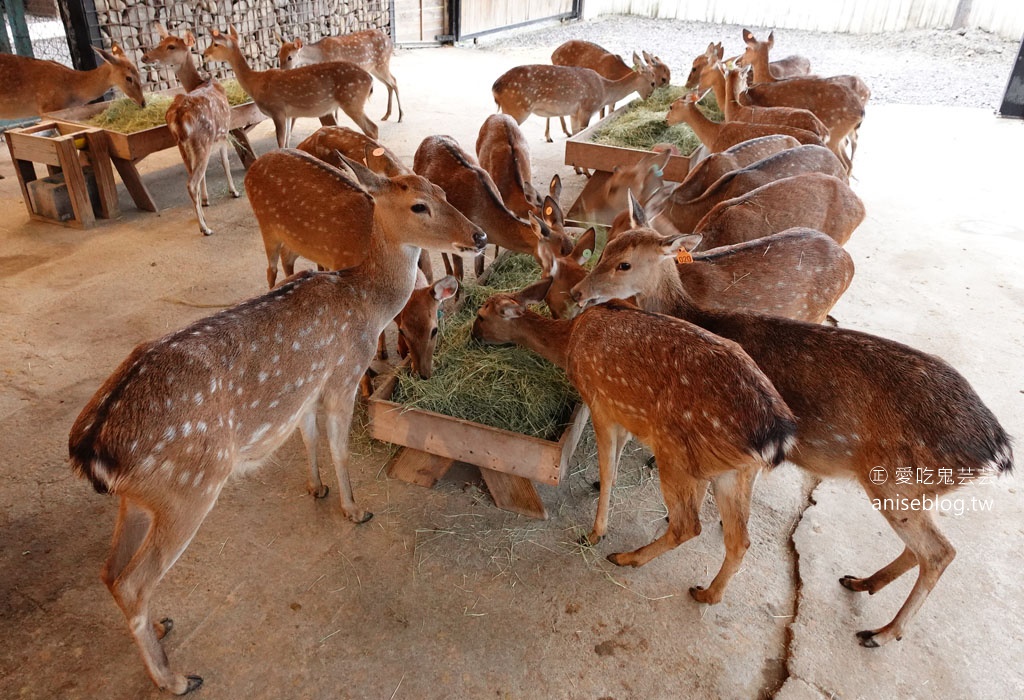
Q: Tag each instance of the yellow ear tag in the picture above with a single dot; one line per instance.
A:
(683, 256)
(548, 211)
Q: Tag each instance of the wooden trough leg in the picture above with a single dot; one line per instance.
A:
(99, 158)
(74, 179)
(240, 140)
(133, 182)
(514, 493)
(420, 468)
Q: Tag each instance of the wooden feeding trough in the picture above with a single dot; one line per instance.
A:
(509, 462)
(126, 150)
(582, 152)
(80, 185)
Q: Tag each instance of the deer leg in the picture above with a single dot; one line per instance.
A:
(310, 437)
(283, 130)
(129, 532)
(338, 405)
(884, 576)
(273, 253)
(683, 495)
(478, 263)
(363, 121)
(384, 75)
(933, 552)
(288, 259)
(382, 346)
(732, 493)
(196, 183)
(227, 169)
(611, 439)
(160, 544)
(547, 129)
(565, 129)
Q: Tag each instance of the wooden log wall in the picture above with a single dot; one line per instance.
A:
(129, 22)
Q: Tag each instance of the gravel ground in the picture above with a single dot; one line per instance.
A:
(924, 67)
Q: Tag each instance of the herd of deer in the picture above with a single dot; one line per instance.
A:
(699, 330)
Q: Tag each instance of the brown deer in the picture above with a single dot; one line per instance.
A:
(586, 54)
(718, 136)
(864, 405)
(756, 53)
(30, 87)
(706, 172)
(470, 189)
(812, 200)
(503, 152)
(645, 179)
(696, 400)
(799, 273)
(369, 49)
(308, 91)
(556, 91)
(198, 120)
(685, 215)
(182, 413)
(736, 82)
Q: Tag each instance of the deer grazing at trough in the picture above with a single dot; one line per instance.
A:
(30, 87)
(685, 215)
(711, 416)
(308, 91)
(800, 274)
(557, 91)
(182, 413)
(735, 84)
(706, 172)
(812, 200)
(369, 49)
(718, 136)
(862, 404)
(198, 120)
(503, 152)
(470, 189)
(645, 179)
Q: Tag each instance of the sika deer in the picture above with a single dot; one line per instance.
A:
(696, 400)
(184, 412)
(709, 170)
(644, 179)
(503, 152)
(470, 189)
(30, 87)
(813, 200)
(198, 120)
(719, 136)
(756, 54)
(369, 49)
(735, 84)
(585, 54)
(862, 404)
(685, 215)
(800, 274)
(327, 142)
(555, 91)
(308, 91)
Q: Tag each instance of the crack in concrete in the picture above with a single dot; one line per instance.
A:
(809, 486)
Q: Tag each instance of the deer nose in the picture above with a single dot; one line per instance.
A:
(575, 294)
(480, 239)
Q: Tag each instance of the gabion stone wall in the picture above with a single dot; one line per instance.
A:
(129, 23)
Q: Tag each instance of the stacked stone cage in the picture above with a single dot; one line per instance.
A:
(258, 23)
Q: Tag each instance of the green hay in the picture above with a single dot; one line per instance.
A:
(505, 387)
(642, 124)
(126, 117)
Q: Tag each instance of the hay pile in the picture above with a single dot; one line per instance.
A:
(504, 387)
(642, 124)
(126, 117)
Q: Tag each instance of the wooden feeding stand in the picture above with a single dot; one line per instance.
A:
(126, 150)
(509, 462)
(582, 152)
(78, 154)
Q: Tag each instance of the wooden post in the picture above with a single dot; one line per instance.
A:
(19, 28)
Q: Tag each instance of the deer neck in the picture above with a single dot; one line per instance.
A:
(87, 85)
(759, 67)
(615, 90)
(547, 337)
(247, 78)
(704, 128)
(714, 79)
(730, 104)
(665, 293)
(387, 275)
(188, 75)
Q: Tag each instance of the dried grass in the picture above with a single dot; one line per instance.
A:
(642, 124)
(126, 117)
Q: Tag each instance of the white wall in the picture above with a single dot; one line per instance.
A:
(1003, 17)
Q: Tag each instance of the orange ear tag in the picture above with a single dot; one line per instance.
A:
(683, 256)
(378, 152)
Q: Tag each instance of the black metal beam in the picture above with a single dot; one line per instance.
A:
(83, 32)
(1013, 98)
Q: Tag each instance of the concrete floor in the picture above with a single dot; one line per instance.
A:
(441, 595)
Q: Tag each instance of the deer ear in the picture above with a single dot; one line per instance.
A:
(546, 257)
(552, 213)
(189, 38)
(748, 37)
(672, 245)
(585, 246)
(540, 227)
(637, 215)
(232, 33)
(159, 29)
(771, 39)
(360, 172)
(534, 294)
(298, 42)
(555, 188)
(445, 288)
(105, 55)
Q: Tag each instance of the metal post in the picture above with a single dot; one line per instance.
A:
(83, 32)
(1013, 98)
(19, 28)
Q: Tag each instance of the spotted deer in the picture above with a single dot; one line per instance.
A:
(718, 136)
(556, 91)
(30, 87)
(645, 179)
(862, 403)
(471, 190)
(756, 53)
(308, 91)
(685, 215)
(502, 151)
(198, 120)
(706, 172)
(182, 413)
(812, 200)
(696, 400)
(735, 80)
(369, 49)
(799, 273)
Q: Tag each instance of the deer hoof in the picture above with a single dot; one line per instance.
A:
(321, 491)
(236, 194)
(163, 628)
(588, 540)
(867, 639)
(622, 559)
(852, 583)
(206, 231)
(193, 683)
(702, 595)
(596, 485)
(361, 517)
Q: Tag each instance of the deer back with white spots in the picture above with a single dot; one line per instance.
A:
(503, 152)
(862, 404)
(699, 403)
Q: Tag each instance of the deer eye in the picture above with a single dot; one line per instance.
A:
(419, 208)
(433, 333)
(624, 266)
